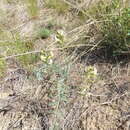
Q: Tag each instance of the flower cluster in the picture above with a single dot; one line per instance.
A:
(47, 56)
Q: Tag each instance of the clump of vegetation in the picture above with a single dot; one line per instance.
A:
(115, 32)
(46, 56)
(59, 5)
(111, 27)
(113, 23)
(44, 33)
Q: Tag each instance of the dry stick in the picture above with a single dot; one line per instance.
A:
(72, 5)
(27, 53)
(5, 41)
(114, 99)
(38, 51)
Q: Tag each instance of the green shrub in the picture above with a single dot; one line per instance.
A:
(115, 32)
(111, 23)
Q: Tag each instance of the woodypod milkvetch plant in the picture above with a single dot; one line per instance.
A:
(60, 37)
(90, 72)
(46, 56)
(90, 77)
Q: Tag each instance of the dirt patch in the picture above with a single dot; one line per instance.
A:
(102, 108)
